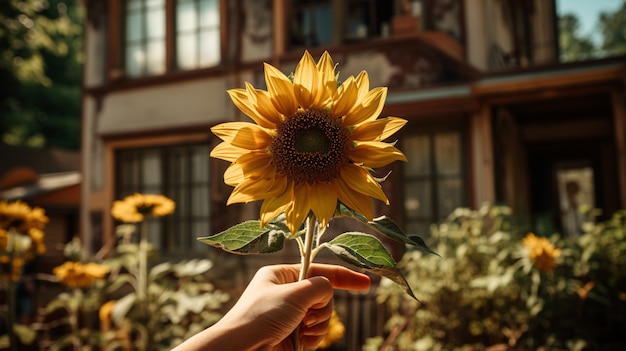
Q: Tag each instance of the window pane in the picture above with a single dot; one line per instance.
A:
(200, 228)
(186, 51)
(135, 60)
(200, 162)
(209, 14)
(186, 16)
(210, 48)
(156, 23)
(417, 151)
(448, 153)
(151, 165)
(156, 57)
(449, 196)
(134, 25)
(417, 199)
(155, 232)
(133, 4)
(200, 201)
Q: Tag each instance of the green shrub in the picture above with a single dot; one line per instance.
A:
(494, 286)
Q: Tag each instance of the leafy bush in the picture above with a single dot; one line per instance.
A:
(496, 287)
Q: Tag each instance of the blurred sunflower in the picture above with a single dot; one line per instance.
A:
(336, 329)
(541, 251)
(134, 207)
(20, 217)
(314, 143)
(79, 275)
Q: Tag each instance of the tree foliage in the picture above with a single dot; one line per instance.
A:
(40, 70)
(576, 46)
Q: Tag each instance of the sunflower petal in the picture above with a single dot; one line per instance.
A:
(375, 154)
(358, 179)
(328, 80)
(280, 90)
(250, 165)
(273, 206)
(369, 108)
(225, 151)
(378, 130)
(300, 209)
(306, 81)
(244, 102)
(354, 200)
(243, 134)
(323, 201)
(344, 98)
(266, 108)
(252, 189)
(363, 82)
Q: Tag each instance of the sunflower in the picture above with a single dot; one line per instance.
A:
(79, 275)
(313, 143)
(134, 207)
(19, 216)
(541, 251)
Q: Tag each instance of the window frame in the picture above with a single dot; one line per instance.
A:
(116, 43)
(434, 177)
(170, 224)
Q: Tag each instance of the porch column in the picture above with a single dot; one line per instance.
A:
(482, 157)
(619, 118)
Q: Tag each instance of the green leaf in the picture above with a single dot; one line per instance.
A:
(122, 307)
(249, 238)
(387, 227)
(367, 252)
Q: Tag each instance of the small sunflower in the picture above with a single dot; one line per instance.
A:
(313, 143)
(19, 216)
(79, 275)
(335, 332)
(134, 207)
(541, 251)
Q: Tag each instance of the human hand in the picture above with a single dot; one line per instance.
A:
(274, 304)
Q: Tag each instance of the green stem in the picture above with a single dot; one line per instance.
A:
(142, 274)
(308, 247)
(73, 318)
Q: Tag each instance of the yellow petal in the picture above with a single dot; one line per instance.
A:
(275, 205)
(243, 134)
(345, 98)
(225, 151)
(300, 209)
(378, 130)
(280, 90)
(250, 165)
(252, 189)
(363, 82)
(306, 81)
(242, 99)
(375, 154)
(326, 67)
(354, 200)
(264, 106)
(323, 200)
(358, 179)
(369, 108)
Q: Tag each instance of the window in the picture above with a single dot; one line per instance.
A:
(324, 22)
(197, 33)
(145, 37)
(433, 179)
(191, 29)
(180, 173)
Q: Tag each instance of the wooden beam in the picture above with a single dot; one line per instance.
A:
(619, 118)
(482, 157)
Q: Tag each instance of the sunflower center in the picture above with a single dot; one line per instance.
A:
(311, 146)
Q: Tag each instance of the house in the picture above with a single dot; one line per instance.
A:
(50, 179)
(493, 114)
